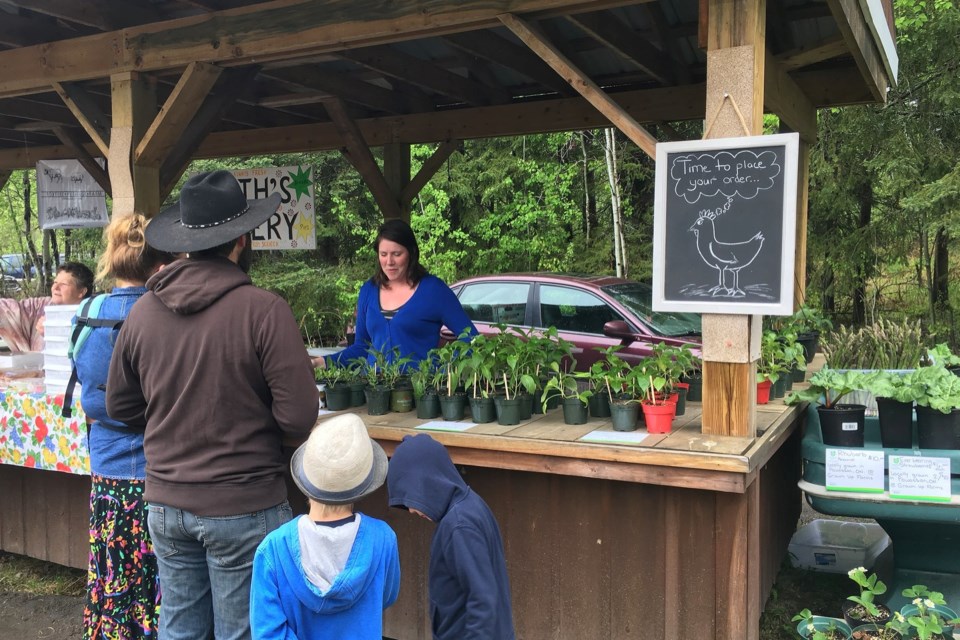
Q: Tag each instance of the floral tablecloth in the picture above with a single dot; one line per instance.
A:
(33, 434)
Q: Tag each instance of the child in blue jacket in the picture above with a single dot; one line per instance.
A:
(469, 586)
(331, 573)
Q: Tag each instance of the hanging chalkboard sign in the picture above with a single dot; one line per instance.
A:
(724, 225)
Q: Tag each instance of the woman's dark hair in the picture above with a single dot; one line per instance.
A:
(398, 231)
(81, 274)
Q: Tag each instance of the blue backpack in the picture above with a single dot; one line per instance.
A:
(87, 320)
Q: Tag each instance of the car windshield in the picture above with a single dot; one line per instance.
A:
(637, 296)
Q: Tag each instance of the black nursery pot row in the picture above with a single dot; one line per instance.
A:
(843, 426)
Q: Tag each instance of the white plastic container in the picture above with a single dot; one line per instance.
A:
(835, 546)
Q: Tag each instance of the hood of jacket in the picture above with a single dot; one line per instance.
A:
(350, 585)
(191, 285)
(421, 476)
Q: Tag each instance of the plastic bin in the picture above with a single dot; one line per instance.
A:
(835, 546)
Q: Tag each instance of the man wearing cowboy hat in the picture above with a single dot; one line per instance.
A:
(216, 372)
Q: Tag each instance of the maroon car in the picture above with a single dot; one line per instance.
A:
(589, 311)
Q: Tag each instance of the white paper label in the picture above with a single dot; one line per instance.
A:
(855, 470)
(920, 478)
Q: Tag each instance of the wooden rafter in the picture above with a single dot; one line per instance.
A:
(177, 112)
(782, 96)
(104, 15)
(32, 110)
(94, 121)
(282, 28)
(428, 170)
(353, 90)
(631, 47)
(583, 84)
(427, 75)
(492, 47)
(825, 50)
(668, 42)
(70, 138)
(231, 85)
(358, 153)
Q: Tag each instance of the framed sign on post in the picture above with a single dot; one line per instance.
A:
(294, 225)
(725, 225)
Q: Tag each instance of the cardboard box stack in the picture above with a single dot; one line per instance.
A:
(57, 329)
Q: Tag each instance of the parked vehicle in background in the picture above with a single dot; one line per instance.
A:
(15, 265)
(589, 311)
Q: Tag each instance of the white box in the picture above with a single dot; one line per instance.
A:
(22, 360)
(835, 546)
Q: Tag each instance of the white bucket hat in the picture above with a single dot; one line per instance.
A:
(339, 463)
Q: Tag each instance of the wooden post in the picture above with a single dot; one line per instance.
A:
(735, 80)
(135, 187)
(396, 171)
(803, 189)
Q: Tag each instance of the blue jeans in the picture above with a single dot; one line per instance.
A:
(205, 565)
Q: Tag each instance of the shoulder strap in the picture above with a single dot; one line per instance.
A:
(87, 320)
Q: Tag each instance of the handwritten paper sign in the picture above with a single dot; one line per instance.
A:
(68, 197)
(724, 225)
(858, 470)
(616, 437)
(446, 425)
(294, 225)
(919, 478)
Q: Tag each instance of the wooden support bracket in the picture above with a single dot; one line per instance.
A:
(88, 114)
(428, 170)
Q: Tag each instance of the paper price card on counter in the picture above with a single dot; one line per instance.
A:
(858, 470)
(446, 425)
(919, 478)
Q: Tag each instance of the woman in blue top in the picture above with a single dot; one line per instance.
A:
(123, 593)
(402, 305)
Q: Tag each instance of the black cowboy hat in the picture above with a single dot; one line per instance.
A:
(212, 211)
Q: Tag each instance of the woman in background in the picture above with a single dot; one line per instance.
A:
(402, 306)
(73, 283)
(123, 593)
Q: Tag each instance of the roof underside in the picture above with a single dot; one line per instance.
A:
(406, 71)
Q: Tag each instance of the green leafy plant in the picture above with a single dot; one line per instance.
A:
(885, 383)
(829, 632)
(334, 374)
(882, 345)
(935, 387)
(941, 354)
(773, 357)
(927, 621)
(828, 386)
(565, 384)
(870, 587)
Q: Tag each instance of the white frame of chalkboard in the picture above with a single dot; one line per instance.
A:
(784, 306)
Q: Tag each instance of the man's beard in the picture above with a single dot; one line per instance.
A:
(245, 259)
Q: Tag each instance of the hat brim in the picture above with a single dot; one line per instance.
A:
(373, 481)
(166, 233)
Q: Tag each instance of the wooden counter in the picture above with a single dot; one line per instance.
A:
(678, 537)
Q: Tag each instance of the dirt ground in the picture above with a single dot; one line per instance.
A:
(27, 617)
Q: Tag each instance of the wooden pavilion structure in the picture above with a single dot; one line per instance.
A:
(149, 85)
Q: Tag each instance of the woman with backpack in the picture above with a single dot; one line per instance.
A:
(123, 593)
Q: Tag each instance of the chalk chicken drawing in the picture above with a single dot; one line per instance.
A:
(726, 257)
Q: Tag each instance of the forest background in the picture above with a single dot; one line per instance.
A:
(883, 205)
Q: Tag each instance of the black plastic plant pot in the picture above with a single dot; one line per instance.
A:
(896, 423)
(526, 406)
(574, 411)
(779, 388)
(401, 399)
(938, 430)
(810, 342)
(338, 397)
(538, 400)
(624, 415)
(428, 407)
(695, 391)
(599, 404)
(799, 375)
(508, 411)
(842, 425)
(682, 400)
(452, 407)
(357, 395)
(378, 400)
(482, 410)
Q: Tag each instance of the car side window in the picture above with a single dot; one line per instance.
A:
(574, 310)
(496, 302)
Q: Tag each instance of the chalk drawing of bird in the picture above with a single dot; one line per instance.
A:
(725, 257)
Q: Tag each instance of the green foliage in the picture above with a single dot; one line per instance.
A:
(870, 587)
(881, 345)
(828, 386)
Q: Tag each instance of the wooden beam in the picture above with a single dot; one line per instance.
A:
(803, 206)
(827, 49)
(136, 188)
(256, 33)
(783, 97)
(490, 46)
(179, 109)
(427, 170)
(232, 84)
(98, 173)
(627, 43)
(425, 74)
(581, 82)
(852, 24)
(94, 121)
(357, 152)
(350, 89)
(542, 116)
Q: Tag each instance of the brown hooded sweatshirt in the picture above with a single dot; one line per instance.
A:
(216, 371)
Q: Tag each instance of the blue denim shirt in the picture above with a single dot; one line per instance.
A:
(112, 454)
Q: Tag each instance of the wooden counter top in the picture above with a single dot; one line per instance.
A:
(682, 458)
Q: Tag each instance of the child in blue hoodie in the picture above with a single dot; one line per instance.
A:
(469, 586)
(331, 573)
